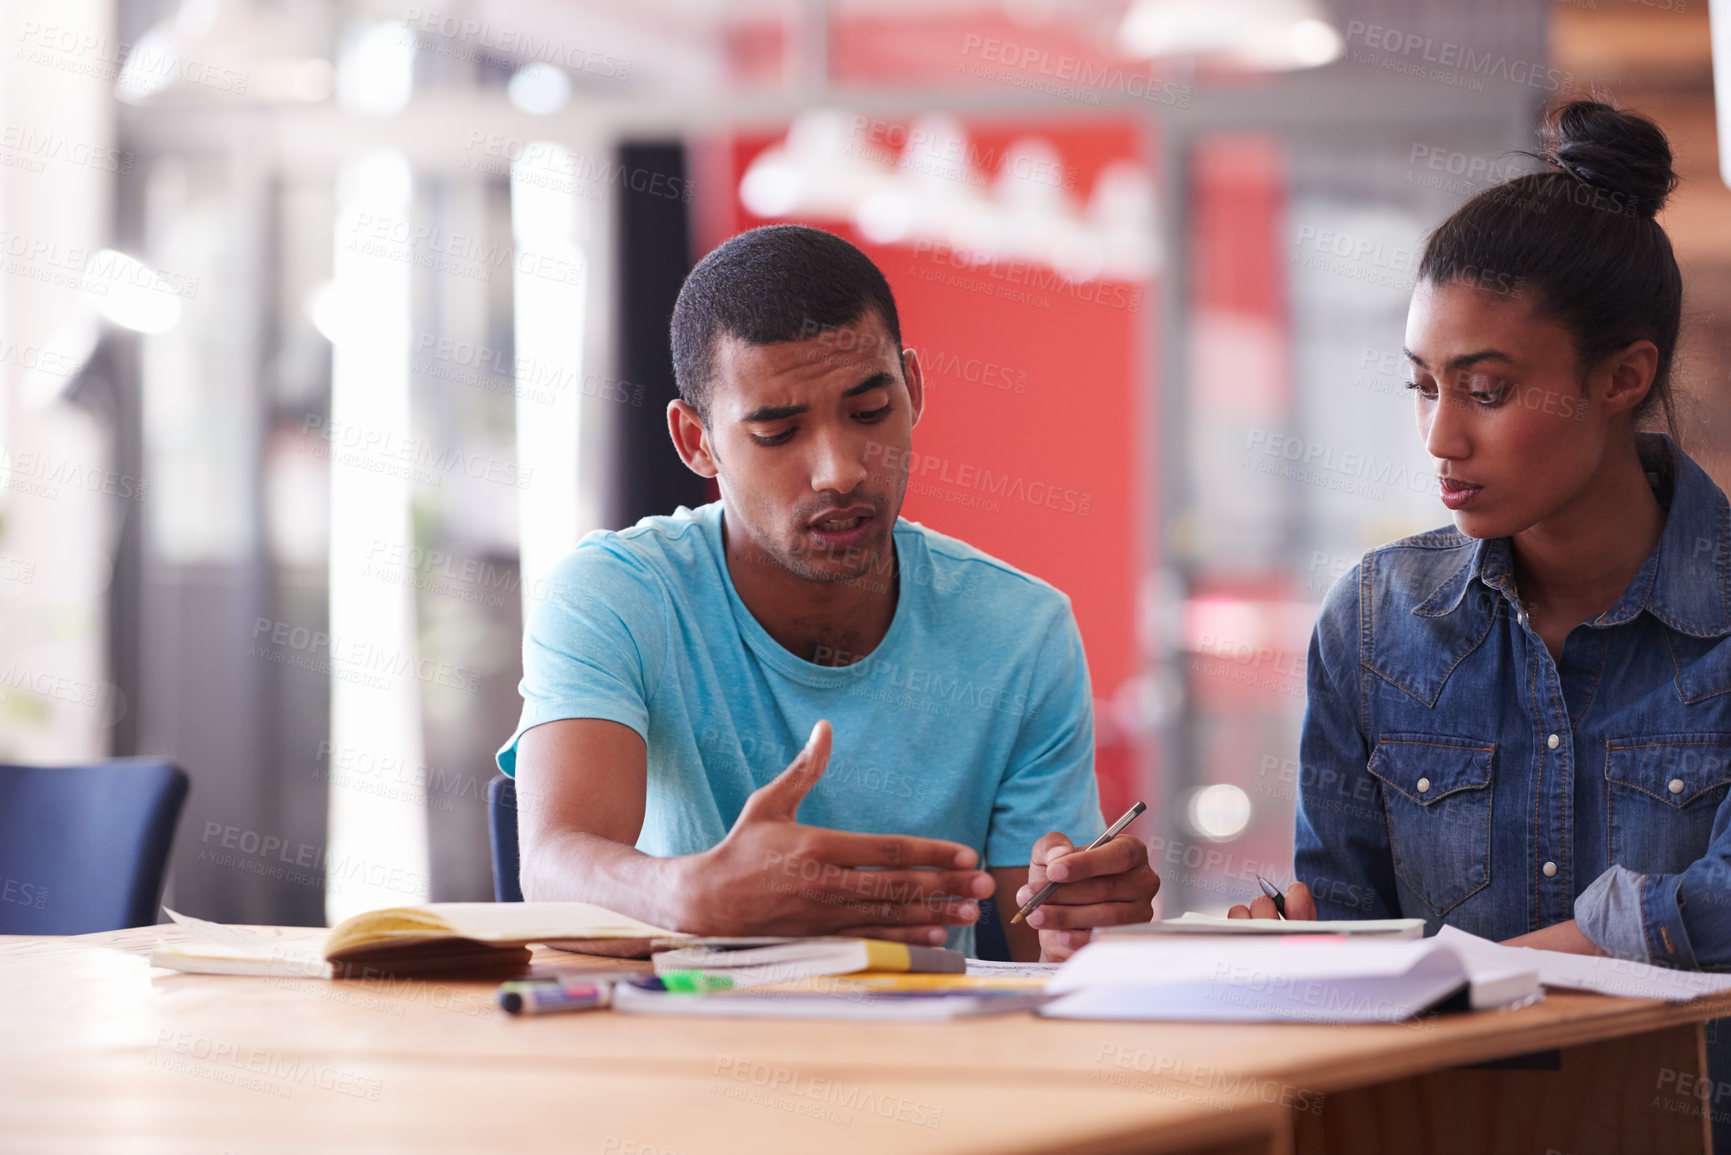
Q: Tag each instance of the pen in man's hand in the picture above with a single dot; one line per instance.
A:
(1112, 832)
(1273, 892)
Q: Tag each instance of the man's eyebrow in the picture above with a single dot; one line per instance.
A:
(877, 380)
(767, 413)
(1464, 359)
(772, 413)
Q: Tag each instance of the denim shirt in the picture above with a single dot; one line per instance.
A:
(1452, 771)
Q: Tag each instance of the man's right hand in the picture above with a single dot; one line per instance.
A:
(771, 875)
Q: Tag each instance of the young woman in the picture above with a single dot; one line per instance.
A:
(1521, 725)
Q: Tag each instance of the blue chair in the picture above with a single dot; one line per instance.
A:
(84, 848)
(502, 833)
(989, 941)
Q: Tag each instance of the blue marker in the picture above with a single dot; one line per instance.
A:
(547, 996)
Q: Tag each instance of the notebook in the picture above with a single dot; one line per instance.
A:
(441, 936)
(904, 1006)
(1195, 922)
(750, 961)
(1284, 978)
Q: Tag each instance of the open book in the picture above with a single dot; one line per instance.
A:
(1281, 978)
(439, 936)
(1580, 972)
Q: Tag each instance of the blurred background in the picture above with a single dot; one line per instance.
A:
(326, 327)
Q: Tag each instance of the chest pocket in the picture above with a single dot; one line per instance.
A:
(1662, 795)
(1437, 796)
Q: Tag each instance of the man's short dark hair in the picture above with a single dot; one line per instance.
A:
(769, 285)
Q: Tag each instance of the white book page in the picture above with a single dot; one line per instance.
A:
(1579, 972)
(980, 966)
(482, 921)
(1256, 980)
(1155, 960)
(215, 940)
(539, 921)
(1195, 922)
(218, 949)
(219, 959)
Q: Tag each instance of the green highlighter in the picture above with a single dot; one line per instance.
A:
(694, 982)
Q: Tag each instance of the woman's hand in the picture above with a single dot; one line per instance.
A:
(1563, 936)
(1299, 905)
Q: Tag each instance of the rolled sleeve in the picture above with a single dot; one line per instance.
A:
(1680, 920)
(1609, 912)
(1688, 915)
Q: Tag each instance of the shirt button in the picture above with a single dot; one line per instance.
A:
(1550, 870)
(1521, 617)
(1676, 786)
(1553, 741)
(1424, 785)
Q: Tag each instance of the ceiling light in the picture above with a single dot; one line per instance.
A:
(886, 216)
(1219, 812)
(771, 187)
(376, 68)
(228, 49)
(539, 89)
(1314, 43)
(1269, 35)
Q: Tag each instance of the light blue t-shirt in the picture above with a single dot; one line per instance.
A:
(971, 721)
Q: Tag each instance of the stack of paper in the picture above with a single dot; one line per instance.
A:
(750, 961)
(838, 978)
(841, 999)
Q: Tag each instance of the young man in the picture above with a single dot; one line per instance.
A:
(930, 704)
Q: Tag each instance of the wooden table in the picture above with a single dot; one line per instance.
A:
(99, 1052)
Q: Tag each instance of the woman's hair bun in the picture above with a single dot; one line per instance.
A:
(1621, 152)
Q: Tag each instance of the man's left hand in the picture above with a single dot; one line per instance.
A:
(1105, 887)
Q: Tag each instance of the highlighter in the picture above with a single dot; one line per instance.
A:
(548, 996)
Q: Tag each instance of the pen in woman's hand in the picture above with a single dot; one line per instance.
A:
(1269, 889)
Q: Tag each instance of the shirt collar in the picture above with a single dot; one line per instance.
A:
(1685, 581)
(1490, 564)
